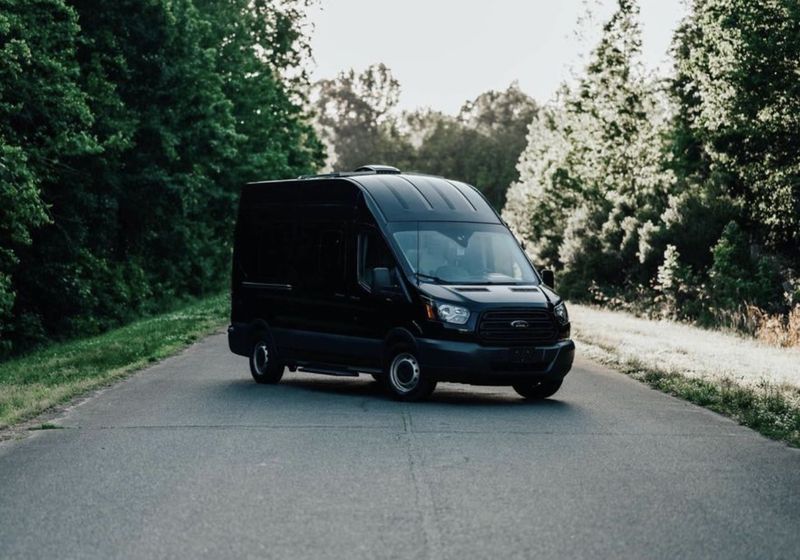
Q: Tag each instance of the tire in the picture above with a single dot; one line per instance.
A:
(538, 390)
(265, 366)
(403, 377)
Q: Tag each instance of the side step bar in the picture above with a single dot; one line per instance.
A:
(333, 370)
(328, 371)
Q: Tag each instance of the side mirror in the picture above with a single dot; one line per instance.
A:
(381, 280)
(548, 278)
(384, 284)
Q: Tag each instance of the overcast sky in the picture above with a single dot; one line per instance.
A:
(444, 52)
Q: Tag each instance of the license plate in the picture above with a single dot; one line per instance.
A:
(526, 355)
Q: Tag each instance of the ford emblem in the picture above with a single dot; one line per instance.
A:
(519, 324)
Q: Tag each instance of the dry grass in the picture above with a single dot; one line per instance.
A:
(749, 380)
(688, 350)
(780, 330)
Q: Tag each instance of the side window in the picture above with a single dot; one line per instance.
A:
(274, 257)
(247, 241)
(330, 258)
(320, 257)
(372, 253)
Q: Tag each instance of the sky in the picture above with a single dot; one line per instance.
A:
(445, 52)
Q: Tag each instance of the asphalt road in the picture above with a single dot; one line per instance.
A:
(192, 459)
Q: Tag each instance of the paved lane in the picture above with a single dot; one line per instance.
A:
(191, 459)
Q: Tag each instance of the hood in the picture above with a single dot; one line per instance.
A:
(534, 296)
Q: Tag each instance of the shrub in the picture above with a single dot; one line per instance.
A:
(738, 278)
(677, 288)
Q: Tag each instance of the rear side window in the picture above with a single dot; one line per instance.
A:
(320, 257)
(275, 258)
(264, 249)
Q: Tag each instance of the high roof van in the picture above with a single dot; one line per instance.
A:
(412, 279)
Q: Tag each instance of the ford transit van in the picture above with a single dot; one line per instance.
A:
(412, 279)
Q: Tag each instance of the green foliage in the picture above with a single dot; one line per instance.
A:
(703, 169)
(737, 277)
(126, 134)
(43, 120)
(592, 186)
(679, 294)
(738, 61)
(480, 145)
(358, 118)
(355, 113)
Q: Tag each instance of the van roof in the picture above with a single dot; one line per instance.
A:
(398, 196)
(411, 197)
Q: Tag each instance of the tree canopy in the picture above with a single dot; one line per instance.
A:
(125, 136)
(679, 195)
(358, 117)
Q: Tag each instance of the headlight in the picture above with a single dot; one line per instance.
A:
(452, 313)
(561, 313)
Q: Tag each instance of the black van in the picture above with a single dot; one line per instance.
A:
(411, 278)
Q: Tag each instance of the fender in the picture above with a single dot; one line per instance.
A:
(258, 325)
(397, 335)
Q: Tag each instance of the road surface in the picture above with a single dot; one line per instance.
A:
(192, 459)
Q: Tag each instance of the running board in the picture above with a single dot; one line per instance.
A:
(328, 371)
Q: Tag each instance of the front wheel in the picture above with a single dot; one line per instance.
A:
(265, 367)
(538, 390)
(404, 378)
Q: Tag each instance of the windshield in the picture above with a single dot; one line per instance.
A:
(463, 253)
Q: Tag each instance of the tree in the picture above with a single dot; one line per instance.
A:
(182, 101)
(592, 185)
(481, 144)
(43, 121)
(356, 115)
(737, 63)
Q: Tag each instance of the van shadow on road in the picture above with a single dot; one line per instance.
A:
(464, 395)
(343, 390)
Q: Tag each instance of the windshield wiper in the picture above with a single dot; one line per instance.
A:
(435, 279)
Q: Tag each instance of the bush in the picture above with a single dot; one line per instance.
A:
(678, 290)
(738, 278)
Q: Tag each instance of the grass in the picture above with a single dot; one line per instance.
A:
(31, 384)
(769, 404)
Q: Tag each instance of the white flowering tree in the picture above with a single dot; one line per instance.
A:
(592, 180)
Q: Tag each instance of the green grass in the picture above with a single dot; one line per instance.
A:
(31, 384)
(769, 409)
(765, 408)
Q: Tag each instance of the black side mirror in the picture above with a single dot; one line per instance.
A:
(385, 284)
(548, 278)
(381, 280)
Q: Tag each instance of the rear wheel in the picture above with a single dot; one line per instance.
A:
(404, 378)
(265, 367)
(538, 390)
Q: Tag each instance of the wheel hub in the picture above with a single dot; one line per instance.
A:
(261, 357)
(404, 372)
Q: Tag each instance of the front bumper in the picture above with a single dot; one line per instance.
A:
(469, 362)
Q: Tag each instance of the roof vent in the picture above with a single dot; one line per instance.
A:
(379, 169)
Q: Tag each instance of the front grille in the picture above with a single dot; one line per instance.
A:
(495, 327)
